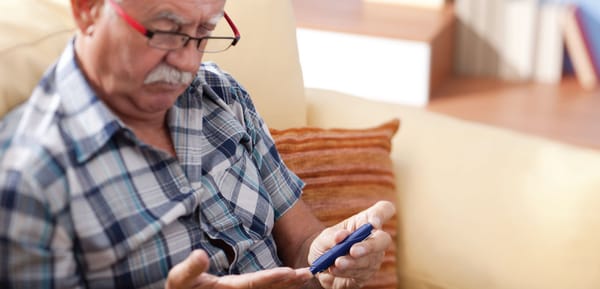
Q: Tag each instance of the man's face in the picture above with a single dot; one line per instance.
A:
(128, 74)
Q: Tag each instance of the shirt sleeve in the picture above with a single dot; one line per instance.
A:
(35, 248)
(284, 187)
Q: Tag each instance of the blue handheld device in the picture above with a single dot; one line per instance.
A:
(341, 249)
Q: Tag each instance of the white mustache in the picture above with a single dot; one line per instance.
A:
(166, 73)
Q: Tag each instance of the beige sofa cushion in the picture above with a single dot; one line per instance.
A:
(32, 35)
(34, 32)
(483, 207)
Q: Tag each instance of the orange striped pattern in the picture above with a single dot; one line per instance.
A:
(345, 171)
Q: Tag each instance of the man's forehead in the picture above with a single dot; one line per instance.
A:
(188, 10)
(181, 20)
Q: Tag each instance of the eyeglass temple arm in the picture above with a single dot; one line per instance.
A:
(234, 28)
(136, 25)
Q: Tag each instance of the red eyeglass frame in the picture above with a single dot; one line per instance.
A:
(148, 33)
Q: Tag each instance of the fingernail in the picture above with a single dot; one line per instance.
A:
(304, 273)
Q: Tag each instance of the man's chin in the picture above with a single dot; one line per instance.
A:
(162, 95)
(165, 89)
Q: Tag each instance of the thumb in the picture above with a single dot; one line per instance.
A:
(186, 273)
(380, 212)
(325, 241)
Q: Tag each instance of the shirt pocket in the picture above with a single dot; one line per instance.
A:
(242, 187)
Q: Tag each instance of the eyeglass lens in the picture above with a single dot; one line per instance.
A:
(170, 41)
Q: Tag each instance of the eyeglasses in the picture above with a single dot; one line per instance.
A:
(167, 40)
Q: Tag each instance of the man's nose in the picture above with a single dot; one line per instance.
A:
(187, 58)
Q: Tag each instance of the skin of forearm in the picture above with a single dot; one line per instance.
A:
(301, 259)
(294, 234)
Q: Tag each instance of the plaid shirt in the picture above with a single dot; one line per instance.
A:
(84, 203)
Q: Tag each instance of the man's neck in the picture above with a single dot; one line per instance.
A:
(154, 133)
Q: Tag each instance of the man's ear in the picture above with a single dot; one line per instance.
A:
(86, 13)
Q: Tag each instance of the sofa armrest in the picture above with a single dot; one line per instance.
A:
(479, 206)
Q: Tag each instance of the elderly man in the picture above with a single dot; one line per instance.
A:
(133, 165)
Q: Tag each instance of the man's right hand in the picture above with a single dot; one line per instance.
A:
(191, 273)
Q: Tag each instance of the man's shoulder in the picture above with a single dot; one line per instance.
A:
(212, 75)
(30, 133)
(225, 86)
(33, 158)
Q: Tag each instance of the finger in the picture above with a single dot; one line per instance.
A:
(364, 258)
(361, 254)
(325, 241)
(303, 276)
(326, 279)
(293, 279)
(349, 267)
(378, 242)
(380, 213)
(376, 215)
(186, 273)
(270, 278)
(339, 236)
(304, 273)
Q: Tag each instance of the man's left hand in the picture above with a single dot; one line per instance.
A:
(365, 257)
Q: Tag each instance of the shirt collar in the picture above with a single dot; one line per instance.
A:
(90, 124)
(87, 121)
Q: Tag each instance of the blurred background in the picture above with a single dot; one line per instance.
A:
(528, 65)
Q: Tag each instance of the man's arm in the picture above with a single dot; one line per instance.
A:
(35, 246)
(294, 232)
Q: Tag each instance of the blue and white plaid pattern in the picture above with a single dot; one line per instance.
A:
(86, 204)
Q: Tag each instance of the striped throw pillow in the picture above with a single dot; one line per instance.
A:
(345, 171)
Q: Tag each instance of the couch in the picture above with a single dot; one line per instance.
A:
(478, 207)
